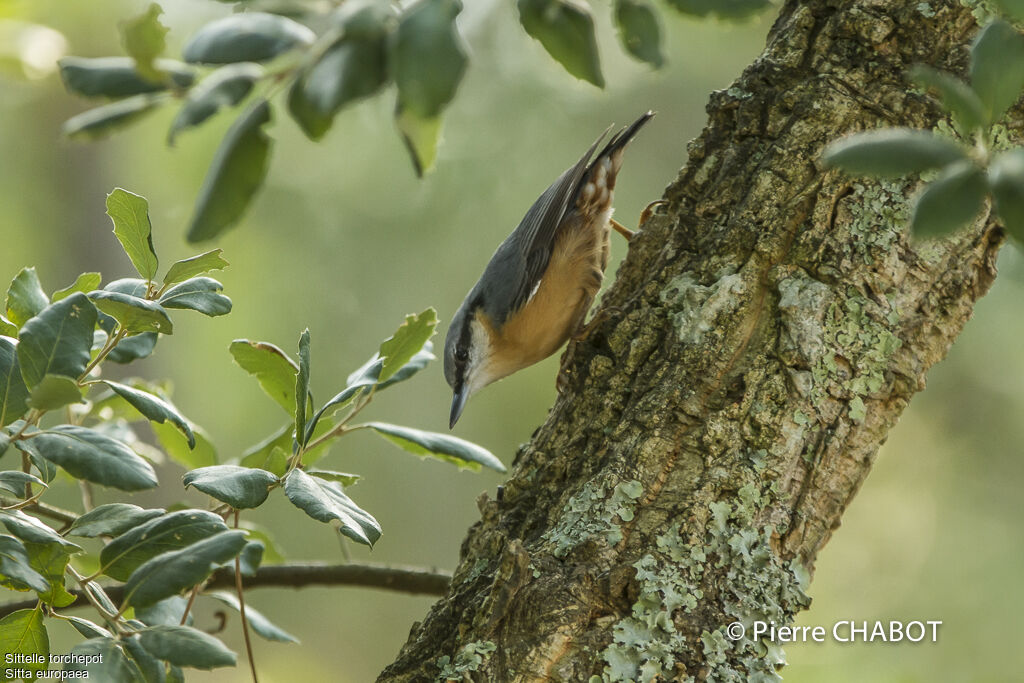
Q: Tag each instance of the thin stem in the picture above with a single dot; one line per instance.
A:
(342, 426)
(241, 611)
(86, 494)
(107, 348)
(44, 510)
(112, 619)
(188, 606)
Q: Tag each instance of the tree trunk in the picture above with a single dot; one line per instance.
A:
(764, 334)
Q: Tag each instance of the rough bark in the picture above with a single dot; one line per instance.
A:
(763, 335)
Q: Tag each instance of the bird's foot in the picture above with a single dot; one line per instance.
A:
(644, 217)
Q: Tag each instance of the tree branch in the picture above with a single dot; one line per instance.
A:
(43, 509)
(412, 580)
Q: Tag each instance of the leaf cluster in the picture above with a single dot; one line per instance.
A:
(322, 61)
(68, 421)
(968, 171)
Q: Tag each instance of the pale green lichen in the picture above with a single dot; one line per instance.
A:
(579, 523)
(469, 658)
(866, 343)
(738, 93)
(698, 307)
(925, 10)
(880, 213)
(981, 9)
(755, 586)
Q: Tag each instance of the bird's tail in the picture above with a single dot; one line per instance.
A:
(622, 138)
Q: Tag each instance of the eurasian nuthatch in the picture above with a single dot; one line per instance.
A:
(537, 288)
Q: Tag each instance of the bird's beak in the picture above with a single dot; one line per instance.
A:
(458, 403)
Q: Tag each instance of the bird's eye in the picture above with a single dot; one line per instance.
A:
(461, 354)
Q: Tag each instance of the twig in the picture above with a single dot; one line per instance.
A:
(44, 510)
(412, 580)
(241, 611)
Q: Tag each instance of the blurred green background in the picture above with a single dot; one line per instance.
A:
(345, 240)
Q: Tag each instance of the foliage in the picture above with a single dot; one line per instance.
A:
(963, 172)
(327, 60)
(70, 423)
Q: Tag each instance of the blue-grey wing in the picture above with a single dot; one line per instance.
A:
(535, 237)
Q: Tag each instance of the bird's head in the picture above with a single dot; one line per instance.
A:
(470, 358)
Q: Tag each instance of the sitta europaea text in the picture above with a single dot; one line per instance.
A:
(540, 283)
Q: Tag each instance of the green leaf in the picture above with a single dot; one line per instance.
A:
(132, 286)
(133, 348)
(116, 77)
(25, 297)
(326, 502)
(239, 487)
(84, 283)
(246, 37)
(104, 660)
(441, 446)
(997, 67)
(31, 530)
(151, 670)
(51, 561)
(88, 628)
(173, 572)
(185, 646)
(950, 202)
(427, 57)
(58, 340)
(22, 633)
(198, 294)
(225, 87)
(314, 124)
(1006, 179)
(100, 596)
(260, 625)
(16, 569)
(134, 314)
(167, 612)
(13, 392)
(342, 478)
(353, 68)
(639, 30)
(47, 470)
(100, 122)
(159, 536)
(177, 447)
(566, 30)
(955, 95)
(196, 265)
(302, 387)
(154, 408)
(406, 342)
(14, 482)
(87, 454)
(130, 214)
(55, 391)
(367, 376)
(145, 39)
(237, 171)
(892, 152)
(271, 367)
(370, 371)
(1014, 9)
(725, 9)
(7, 328)
(249, 559)
(112, 519)
(420, 135)
(271, 454)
